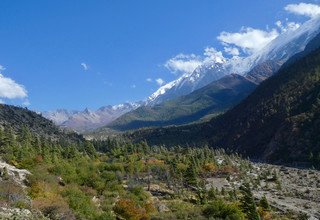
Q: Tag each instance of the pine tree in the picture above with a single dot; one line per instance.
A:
(191, 176)
(247, 203)
(264, 203)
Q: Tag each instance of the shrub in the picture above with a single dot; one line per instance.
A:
(220, 210)
(127, 209)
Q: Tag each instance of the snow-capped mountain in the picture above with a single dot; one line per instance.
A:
(255, 67)
(87, 119)
(210, 71)
(59, 116)
(277, 51)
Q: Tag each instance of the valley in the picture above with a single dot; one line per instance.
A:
(137, 181)
(222, 127)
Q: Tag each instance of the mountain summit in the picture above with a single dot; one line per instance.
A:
(277, 51)
(86, 120)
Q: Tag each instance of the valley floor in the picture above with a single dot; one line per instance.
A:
(141, 182)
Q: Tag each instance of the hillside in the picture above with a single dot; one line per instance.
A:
(18, 118)
(278, 122)
(211, 99)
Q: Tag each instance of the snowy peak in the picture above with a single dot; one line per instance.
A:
(87, 119)
(190, 82)
(281, 48)
(216, 66)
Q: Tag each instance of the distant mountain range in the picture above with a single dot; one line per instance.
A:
(217, 92)
(278, 122)
(87, 120)
(278, 51)
(214, 98)
(171, 104)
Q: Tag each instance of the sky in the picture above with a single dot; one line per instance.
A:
(80, 53)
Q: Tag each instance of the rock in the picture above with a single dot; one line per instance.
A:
(18, 175)
(163, 208)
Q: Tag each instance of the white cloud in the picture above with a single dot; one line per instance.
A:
(248, 39)
(2, 101)
(211, 54)
(232, 51)
(85, 66)
(133, 86)
(245, 42)
(306, 9)
(10, 89)
(160, 81)
(287, 26)
(183, 63)
(149, 80)
(187, 63)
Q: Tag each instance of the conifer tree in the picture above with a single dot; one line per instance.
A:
(247, 203)
(264, 203)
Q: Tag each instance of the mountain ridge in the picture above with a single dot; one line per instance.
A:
(86, 120)
(211, 99)
(278, 122)
(278, 50)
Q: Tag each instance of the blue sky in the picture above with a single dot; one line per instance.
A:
(81, 53)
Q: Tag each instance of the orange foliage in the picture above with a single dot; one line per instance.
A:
(154, 161)
(127, 209)
(38, 159)
(228, 170)
(264, 214)
(209, 167)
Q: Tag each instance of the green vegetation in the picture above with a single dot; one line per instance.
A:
(121, 179)
(278, 122)
(211, 99)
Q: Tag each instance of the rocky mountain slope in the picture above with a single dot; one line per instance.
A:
(263, 64)
(256, 68)
(278, 51)
(278, 122)
(18, 118)
(86, 120)
(211, 99)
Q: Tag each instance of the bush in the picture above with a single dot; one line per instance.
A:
(80, 203)
(127, 209)
(220, 210)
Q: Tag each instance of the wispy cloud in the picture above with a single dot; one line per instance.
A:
(85, 66)
(149, 80)
(305, 9)
(287, 26)
(160, 81)
(245, 42)
(2, 68)
(232, 51)
(187, 63)
(133, 86)
(26, 102)
(248, 39)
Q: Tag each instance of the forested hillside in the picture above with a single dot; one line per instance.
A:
(212, 99)
(123, 180)
(17, 119)
(278, 122)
